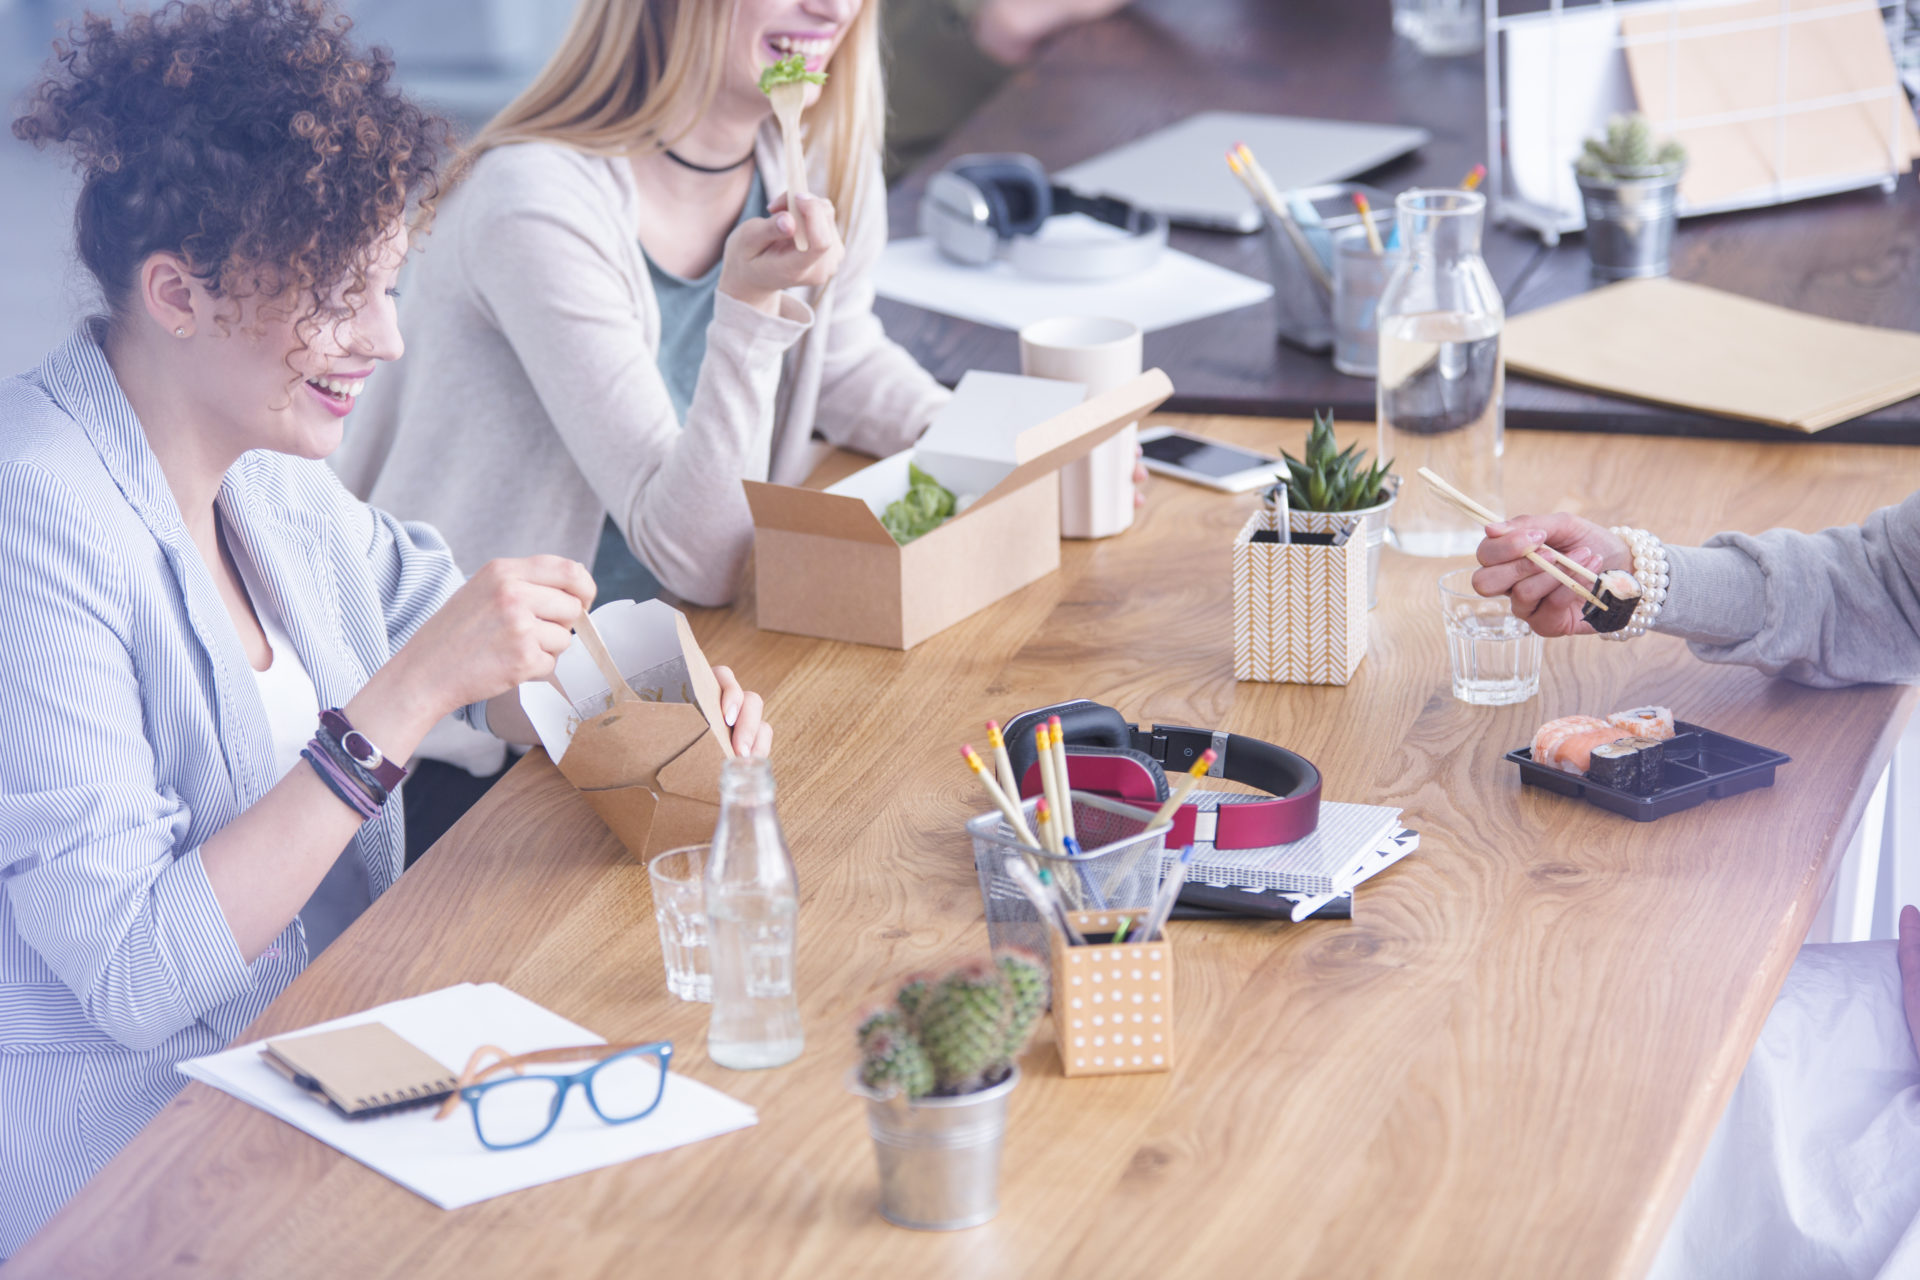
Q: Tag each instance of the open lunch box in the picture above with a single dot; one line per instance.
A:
(1700, 764)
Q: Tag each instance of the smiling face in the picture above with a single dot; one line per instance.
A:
(270, 379)
(767, 31)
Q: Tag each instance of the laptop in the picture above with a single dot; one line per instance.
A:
(1181, 170)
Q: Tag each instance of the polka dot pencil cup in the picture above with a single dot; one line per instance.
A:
(1112, 1005)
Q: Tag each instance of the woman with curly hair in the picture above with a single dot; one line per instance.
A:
(614, 324)
(186, 586)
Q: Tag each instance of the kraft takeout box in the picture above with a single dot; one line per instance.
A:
(825, 566)
(650, 769)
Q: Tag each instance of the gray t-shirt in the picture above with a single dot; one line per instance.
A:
(686, 309)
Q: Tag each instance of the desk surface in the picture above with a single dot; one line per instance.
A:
(1507, 1064)
(1852, 257)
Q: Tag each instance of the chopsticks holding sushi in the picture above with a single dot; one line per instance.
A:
(785, 84)
(1485, 516)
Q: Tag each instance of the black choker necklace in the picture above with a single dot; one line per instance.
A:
(704, 168)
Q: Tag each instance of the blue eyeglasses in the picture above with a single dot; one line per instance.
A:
(623, 1085)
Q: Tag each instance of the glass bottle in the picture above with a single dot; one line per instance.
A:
(1442, 382)
(753, 907)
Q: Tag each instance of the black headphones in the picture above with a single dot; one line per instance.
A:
(983, 207)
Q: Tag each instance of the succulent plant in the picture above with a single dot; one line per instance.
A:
(954, 1034)
(1331, 479)
(1629, 151)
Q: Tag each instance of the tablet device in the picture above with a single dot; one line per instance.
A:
(1170, 451)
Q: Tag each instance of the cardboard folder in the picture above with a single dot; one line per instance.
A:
(1685, 344)
(650, 769)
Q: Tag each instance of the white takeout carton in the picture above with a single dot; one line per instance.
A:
(650, 769)
(825, 566)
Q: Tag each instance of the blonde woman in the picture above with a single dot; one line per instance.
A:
(611, 324)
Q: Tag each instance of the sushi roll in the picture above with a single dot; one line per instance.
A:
(1651, 756)
(1619, 591)
(1567, 744)
(1654, 723)
(1616, 765)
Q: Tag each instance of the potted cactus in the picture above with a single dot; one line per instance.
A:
(936, 1068)
(1333, 488)
(1629, 181)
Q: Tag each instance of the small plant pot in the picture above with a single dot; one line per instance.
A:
(1630, 222)
(1299, 607)
(1373, 530)
(939, 1157)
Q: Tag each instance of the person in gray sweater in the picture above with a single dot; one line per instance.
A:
(1815, 1167)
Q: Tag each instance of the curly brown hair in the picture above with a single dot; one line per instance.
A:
(247, 136)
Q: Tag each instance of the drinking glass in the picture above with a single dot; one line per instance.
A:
(1359, 278)
(1495, 656)
(680, 908)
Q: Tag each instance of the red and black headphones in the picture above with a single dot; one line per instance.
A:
(1109, 755)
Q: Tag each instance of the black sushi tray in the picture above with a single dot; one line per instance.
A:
(1700, 765)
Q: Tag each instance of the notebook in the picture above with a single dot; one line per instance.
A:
(1685, 344)
(442, 1160)
(1352, 841)
(361, 1071)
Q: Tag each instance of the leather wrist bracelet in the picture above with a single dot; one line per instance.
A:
(357, 747)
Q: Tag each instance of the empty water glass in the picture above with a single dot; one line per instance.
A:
(1495, 656)
(680, 908)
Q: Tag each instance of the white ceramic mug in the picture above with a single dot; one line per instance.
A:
(1096, 492)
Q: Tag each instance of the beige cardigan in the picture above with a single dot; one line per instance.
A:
(529, 405)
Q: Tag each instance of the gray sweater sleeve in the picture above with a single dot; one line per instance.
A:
(1832, 608)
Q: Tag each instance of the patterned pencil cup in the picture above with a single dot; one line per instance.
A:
(1300, 606)
(1112, 1006)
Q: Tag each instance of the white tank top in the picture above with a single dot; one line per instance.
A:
(293, 716)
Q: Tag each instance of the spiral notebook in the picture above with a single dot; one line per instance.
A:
(361, 1071)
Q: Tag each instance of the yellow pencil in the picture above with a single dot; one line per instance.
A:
(1043, 818)
(1177, 795)
(1067, 827)
(1049, 783)
(1002, 765)
(1008, 809)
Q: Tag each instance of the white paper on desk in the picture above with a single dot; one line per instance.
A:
(1565, 76)
(1176, 289)
(442, 1160)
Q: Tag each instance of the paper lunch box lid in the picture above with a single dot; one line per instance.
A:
(998, 434)
(655, 649)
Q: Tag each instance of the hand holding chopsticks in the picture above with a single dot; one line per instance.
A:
(1484, 516)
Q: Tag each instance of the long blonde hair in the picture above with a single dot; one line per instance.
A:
(624, 68)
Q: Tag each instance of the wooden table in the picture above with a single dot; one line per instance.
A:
(1507, 1064)
(1852, 257)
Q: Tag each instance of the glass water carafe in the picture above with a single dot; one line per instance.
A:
(1442, 380)
(753, 907)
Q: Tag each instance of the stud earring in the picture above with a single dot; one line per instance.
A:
(181, 332)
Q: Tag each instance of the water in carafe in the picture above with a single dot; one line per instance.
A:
(1442, 380)
(753, 908)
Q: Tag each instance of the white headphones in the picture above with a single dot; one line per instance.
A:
(985, 207)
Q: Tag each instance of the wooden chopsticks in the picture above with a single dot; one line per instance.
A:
(1485, 516)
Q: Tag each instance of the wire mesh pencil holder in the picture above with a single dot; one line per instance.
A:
(1302, 295)
(1118, 868)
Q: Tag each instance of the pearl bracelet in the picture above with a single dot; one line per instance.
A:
(1651, 572)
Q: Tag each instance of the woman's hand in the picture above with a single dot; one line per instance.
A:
(1539, 599)
(1139, 476)
(752, 736)
(508, 624)
(761, 259)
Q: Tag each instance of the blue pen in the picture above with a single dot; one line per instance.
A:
(1308, 220)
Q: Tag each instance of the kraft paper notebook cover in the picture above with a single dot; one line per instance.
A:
(1685, 344)
(362, 1071)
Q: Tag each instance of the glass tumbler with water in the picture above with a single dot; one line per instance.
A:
(753, 909)
(678, 877)
(1495, 656)
(1442, 381)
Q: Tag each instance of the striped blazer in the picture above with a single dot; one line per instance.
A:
(131, 730)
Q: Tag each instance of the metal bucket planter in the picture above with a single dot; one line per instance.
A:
(1373, 527)
(939, 1157)
(1630, 222)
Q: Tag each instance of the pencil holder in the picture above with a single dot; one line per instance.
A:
(1112, 1005)
(1118, 868)
(1302, 296)
(1299, 607)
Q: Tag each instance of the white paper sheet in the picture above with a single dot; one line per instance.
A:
(1565, 77)
(1176, 289)
(443, 1160)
